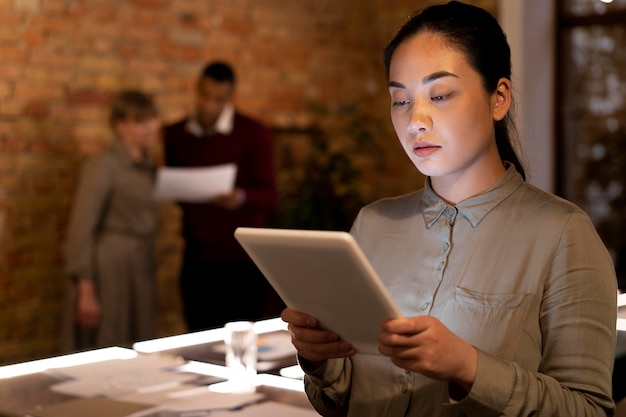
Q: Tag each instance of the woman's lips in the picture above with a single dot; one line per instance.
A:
(424, 150)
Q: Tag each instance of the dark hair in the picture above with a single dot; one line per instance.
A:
(478, 35)
(219, 71)
(132, 105)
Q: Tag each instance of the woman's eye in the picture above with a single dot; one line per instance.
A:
(398, 103)
(441, 97)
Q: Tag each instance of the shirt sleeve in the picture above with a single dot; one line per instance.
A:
(86, 217)
(328, 386)
(577, 320)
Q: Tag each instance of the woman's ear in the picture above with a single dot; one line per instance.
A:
(501, 99)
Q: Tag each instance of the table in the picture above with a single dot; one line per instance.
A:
(30, 384)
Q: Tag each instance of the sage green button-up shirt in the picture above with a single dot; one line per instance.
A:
(515, 271)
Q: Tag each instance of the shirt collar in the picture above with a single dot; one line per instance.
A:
(120, 149)
(223, 124)
(474, 209)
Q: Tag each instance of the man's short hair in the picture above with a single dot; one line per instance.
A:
(219, 71)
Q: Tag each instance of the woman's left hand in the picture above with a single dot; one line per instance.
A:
(425, 345)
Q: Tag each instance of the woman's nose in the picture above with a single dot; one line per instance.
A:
(420, 121)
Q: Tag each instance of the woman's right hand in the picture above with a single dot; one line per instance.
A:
(312, 342)
(88, 309)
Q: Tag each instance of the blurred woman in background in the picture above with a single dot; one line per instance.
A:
(113, 226)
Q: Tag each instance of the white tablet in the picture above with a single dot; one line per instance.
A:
(326, 275)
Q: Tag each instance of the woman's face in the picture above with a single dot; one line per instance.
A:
(142, 134)
(441, 112)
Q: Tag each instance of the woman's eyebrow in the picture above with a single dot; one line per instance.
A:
(436, 75)
(395, 84)
(428, 79)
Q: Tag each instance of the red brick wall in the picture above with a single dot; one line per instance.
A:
(60, 62)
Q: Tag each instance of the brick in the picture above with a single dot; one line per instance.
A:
(152, 4)
(102, 30)
(89, 114)
(8, 34)
(11, 17)
(11, 71)
(148, 66)
(53, 23)
(12, 54)
(27, 5)
(188, 37)
(6, 89)
(78, 97)
(36, 109)
(53, 6)
(7, 164)
(112, 82)
(31, 37)
(28, 90)
(53, 59)
(43, 75)
(91, 135)
(100, 64)
(7, 129)
(128, 49)
(11, 108)
(147, 18)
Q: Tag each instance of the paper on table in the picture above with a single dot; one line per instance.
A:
(194, 401)
(194, 184)
(120, 376)
(140, 364)
(126, 383)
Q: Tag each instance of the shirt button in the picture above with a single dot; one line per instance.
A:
(446, 246)
(405, 388)
(440, 266)
(424, 307)
(406, 371)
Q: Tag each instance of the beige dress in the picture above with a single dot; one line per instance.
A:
(111, 240)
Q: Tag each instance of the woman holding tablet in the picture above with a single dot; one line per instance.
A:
(508, 292)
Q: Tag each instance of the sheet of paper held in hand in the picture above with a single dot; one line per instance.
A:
(326, 275)
(194, 184)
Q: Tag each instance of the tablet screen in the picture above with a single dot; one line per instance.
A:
(323, 274)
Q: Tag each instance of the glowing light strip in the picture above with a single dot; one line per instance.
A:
(203, 368)
(621, 300)
(294, 372)
(621, 325)
(270, 325)
(81, 358)
(178, 341)
(206, 336)
(280, 382)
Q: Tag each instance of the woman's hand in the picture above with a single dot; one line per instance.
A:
(423, 344)
(88, 309)
(312, 342)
